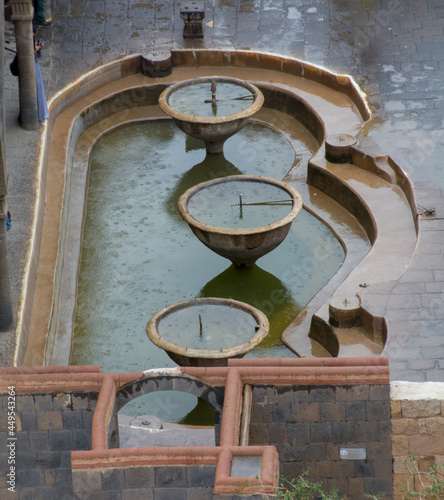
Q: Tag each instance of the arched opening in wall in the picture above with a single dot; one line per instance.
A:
(167, 418)
(169, 411)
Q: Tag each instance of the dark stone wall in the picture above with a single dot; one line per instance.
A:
(48, 427)
(309, 424)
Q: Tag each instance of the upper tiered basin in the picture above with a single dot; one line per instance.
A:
(211, 108)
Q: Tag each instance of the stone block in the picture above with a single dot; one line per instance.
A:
(405, 427)
(170, 476)
(305, 452)
(364, 468)
(85, 481)
(355, 410)
(258, 434)
(282, 412)
(43, 402)
(277, 433)
(28, 420)
(81, 439)
(375, 484)
(50, 477)
(321, 394)
(200, 493)
(72, 419)
(417, 408)
(283, 394)
(367, 432)
(63, 476)
(342, 468)
(426, 445)
(298, 432)
(22, 443)
(353, 393)
(38, 441)
(380, 393)
(26, 460)
(170, 493)
(258, 394)
(300, 394)
(60, 440)
(377, 451)
(332, 411)
(138, 494)
(384, 429)
(320, 432)
(139, 477)
(378, 410)
(113, 479)
(25, 403)
(36, 477)
(433, 425)
(87, 417)
(82, 401)
(400, 445)
(383, 467)
(355, 486)
(49, 460)
(343, 432)
(396, 409)
(61, 401)
(49, 420)
(305, 412)
(263, 414)
(200, 475)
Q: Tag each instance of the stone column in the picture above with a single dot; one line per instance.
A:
(6, 315)
(22, 14)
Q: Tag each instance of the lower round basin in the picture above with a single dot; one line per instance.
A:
(241, 217)
(207, 331)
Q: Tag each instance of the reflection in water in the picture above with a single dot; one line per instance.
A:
(263, 290)
(212, 167)
(137, 258)
(138, 255)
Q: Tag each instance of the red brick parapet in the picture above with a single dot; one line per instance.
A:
(313, 371)
(50, 379)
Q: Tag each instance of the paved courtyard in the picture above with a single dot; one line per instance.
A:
(394, 51)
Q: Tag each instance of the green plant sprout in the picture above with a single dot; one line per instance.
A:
(431, 482)
(301, 488)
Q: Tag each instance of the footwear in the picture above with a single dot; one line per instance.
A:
(44, 24)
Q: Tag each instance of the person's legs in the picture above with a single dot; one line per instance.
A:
(39, 13)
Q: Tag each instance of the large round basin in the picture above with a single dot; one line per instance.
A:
(207, 331)
(210, 116)
(241, 217)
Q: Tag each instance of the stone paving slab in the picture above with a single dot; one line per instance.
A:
(394, 50)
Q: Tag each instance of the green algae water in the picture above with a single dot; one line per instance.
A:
(231, 98)
(139, 256)
(220, 205)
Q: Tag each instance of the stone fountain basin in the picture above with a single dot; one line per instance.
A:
(211, 357)
(243, 246)
(213, 130)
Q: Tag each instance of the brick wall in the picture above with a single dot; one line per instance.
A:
(309, 424)
(417, 429)
(48, 427)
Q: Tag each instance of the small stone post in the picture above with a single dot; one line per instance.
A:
(22, 14)
(192, 12)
